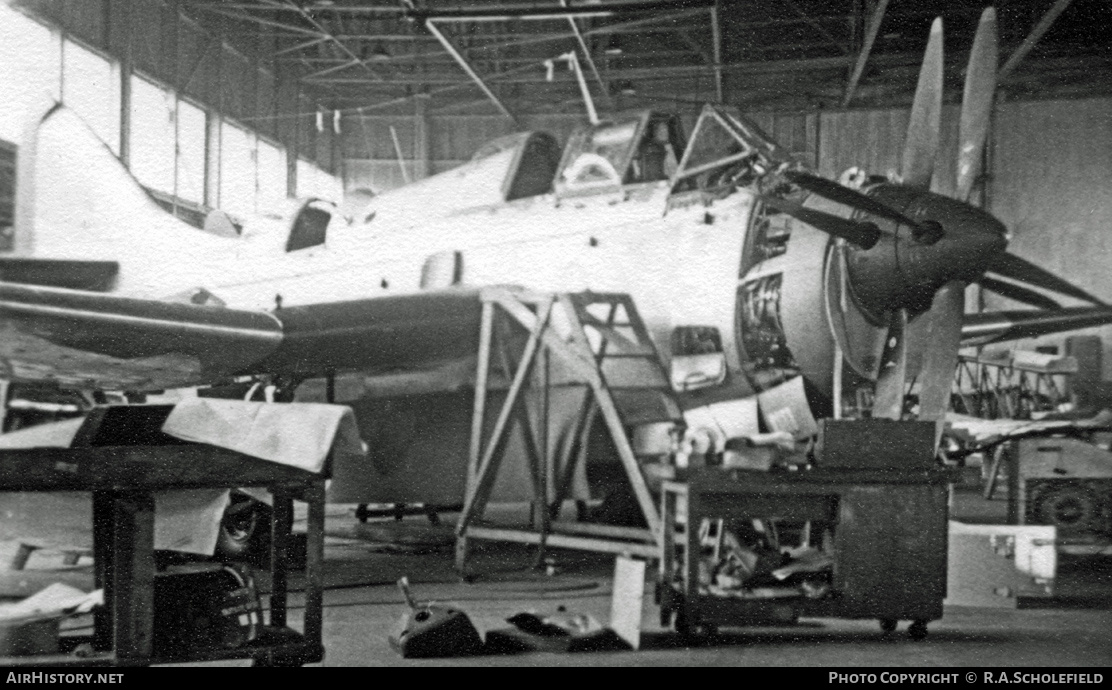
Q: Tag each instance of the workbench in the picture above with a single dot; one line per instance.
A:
(889, 531)
(122, 480)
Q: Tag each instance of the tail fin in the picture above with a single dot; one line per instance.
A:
(76, 200)
(73, 189)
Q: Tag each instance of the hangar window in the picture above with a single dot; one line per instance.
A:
(152, 142)
(237, 170)
(272, 177)
(31, 55)
(91, 87)
(191, 152)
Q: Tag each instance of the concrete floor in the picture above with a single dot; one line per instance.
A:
(363, 606)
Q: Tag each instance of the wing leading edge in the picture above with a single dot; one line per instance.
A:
(86, 340)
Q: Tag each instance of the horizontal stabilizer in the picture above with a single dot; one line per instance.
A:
(96, 276)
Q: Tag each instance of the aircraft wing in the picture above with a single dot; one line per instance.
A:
(89, 340)
(991, 327)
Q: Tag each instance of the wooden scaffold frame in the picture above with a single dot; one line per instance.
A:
(588, 359)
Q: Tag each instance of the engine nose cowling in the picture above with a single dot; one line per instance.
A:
(952, 240)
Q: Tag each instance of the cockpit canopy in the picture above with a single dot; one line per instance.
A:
(642, 147)
(726, 147)
(533, 157)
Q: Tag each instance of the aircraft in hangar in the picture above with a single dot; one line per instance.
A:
(750, 272)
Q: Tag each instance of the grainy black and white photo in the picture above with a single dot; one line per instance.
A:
(557, 333)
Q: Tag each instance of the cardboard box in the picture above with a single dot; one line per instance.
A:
(880, 444)
(26, 636)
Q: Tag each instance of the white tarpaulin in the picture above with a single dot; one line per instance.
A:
(296, 434)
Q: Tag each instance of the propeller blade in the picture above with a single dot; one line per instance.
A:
(891, 381)
(921, 142)
(1018, 293)
(991, 327)
(976, 104)
(864, 235)
(1011, 266)
(940, 357)
(844, 195)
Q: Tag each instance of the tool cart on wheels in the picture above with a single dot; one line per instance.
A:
(877, 536)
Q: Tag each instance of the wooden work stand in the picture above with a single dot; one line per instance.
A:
(888, 527)
(123, 480)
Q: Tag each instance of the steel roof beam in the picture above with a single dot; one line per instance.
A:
(329, 35)
(535, 12)
(606, 101)
(813, 23)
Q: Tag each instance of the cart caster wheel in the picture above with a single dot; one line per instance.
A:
(665, 618)
(888, 625)
(918, 630)
(685, 629)
(277, 662)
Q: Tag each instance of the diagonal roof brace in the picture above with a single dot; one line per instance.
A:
(1028, 43)
(863, 56)
(467, 68)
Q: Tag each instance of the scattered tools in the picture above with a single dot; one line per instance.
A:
(561, 631)
(433, 630)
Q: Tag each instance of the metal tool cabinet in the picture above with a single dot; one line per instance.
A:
(889, 542)
(122, 480)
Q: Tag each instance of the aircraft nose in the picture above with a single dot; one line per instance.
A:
(952, 241)
(971, 240)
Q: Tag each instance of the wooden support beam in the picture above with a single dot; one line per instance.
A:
(574, 454)
(314, 563)
(482, 382)
(649, 551)
(584, 357)
(475, 502)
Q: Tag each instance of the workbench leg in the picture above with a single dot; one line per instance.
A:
(462, 552)
(133, 577)
(104, 530)
(693, 517)
(665, 595)
(314, 565)
(281, 524)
